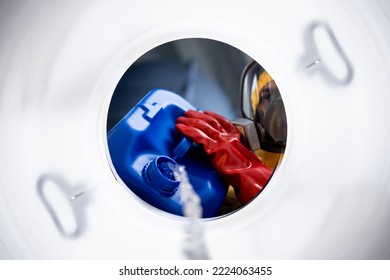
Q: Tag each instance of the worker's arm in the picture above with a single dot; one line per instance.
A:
(221, 141)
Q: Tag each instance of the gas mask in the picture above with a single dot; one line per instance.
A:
(263, 124)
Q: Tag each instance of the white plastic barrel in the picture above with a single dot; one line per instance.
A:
(60, 62)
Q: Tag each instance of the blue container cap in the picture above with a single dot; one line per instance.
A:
(158, 174)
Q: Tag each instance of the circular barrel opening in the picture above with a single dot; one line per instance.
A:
(209, 76)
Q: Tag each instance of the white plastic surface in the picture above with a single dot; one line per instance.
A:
(60, 63)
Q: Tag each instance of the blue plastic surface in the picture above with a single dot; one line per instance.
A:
(145, 142)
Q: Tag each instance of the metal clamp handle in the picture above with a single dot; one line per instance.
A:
(72, 195)
(313, 57)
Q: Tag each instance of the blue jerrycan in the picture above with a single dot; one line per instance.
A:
(144, 145)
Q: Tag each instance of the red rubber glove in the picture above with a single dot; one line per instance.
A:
(221, 141)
